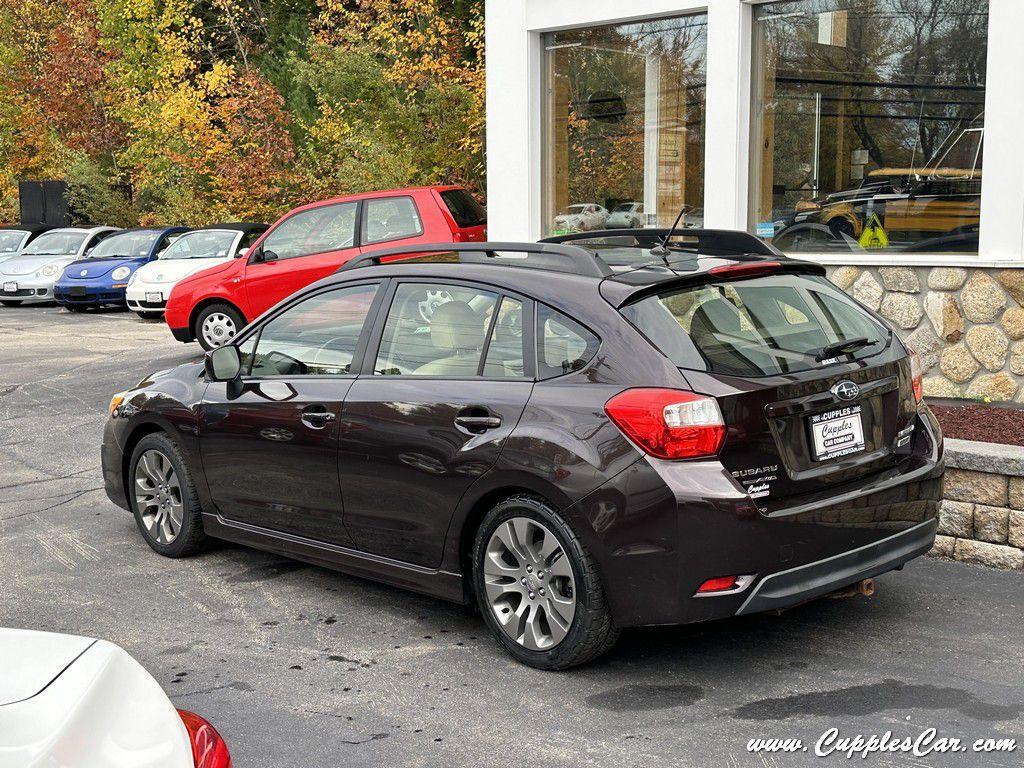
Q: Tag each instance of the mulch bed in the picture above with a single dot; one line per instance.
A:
(981, 422)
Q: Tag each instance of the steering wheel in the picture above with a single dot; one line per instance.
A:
(432, 302)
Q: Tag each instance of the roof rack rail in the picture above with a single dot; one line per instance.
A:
(554, 257)
(718, 242)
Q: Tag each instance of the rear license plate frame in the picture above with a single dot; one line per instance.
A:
(837, 433)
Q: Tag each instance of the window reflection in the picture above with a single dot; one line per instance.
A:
(625, 125)
(868, 124)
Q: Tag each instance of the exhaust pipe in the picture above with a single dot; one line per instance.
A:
(865, 587)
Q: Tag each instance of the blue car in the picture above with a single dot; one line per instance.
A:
(100, 278)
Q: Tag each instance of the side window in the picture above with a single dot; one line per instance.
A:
(327, 228)
(505, 349)
(434, 329)
(390, 218)
(563, 345)
(316, 337)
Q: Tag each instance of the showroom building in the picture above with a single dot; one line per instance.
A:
(850, 132)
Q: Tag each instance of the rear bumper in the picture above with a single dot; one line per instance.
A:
(798, 585)
(659, 530)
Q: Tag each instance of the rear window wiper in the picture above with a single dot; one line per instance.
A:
(845, 347)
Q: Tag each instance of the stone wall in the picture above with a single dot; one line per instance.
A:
(967, 324)
(982, 515)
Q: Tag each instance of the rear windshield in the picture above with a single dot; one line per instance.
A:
(759, 327)
(466, 211)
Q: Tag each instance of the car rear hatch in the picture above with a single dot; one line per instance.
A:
(815, 392)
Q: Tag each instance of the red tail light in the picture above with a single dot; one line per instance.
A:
(669, 423)
(916, 375)
(208, 748)
(745, 270)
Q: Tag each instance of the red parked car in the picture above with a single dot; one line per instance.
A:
(310, 243)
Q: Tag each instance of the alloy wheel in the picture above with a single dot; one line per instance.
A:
(529, 582)
(218, 329)
(158, 496)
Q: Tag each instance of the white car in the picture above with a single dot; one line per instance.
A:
(16, 236)
(192, 252)
(28, 278)
(581, 217)
(75, 701)
(627, 216)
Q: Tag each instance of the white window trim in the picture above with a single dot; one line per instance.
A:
(515, 119)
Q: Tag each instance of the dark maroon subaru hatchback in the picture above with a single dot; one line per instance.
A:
(613, 430)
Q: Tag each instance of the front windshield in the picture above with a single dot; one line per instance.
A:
(204, 244)
(10, 240)
(137, 243)
(56, 244)
(575, 209)
(623, 208)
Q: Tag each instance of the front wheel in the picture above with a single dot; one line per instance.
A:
(216, 325)
(75, 308)
(537, 587)
(163, 498)
(11, 303)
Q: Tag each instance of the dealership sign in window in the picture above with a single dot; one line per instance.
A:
(624, 125)
(869, 125)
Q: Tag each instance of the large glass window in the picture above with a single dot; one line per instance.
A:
(625, 125)
(868, 124)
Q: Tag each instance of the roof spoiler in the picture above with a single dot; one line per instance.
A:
(712, 242)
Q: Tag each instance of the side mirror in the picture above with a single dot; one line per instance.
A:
(223, 363)
(268, 255)
(89, 250)
(243, 252)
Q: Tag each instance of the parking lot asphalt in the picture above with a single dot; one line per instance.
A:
(302, 666)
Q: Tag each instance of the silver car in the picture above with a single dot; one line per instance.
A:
(28, 278)
(627, 216)
(16, 236)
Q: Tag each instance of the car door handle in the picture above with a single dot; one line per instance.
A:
(317, 419)
(478, 424)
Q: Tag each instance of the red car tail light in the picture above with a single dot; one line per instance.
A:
(745, 270)
(669, 423)
(208, 748)
(916, 374)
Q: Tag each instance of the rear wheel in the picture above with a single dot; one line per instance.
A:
(537, 587)
(216, 325)
(163, 498)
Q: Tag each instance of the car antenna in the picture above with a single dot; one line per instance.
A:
(661, 249)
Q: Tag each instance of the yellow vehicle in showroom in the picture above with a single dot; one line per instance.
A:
(933, 208)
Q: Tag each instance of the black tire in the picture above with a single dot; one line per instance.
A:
(149, 315)
(11, 303)
(592, 632)
(213, 309)
(75, 308)
(191, 538)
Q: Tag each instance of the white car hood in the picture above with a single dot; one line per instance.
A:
(172, 270)
(27, 264)
(89, 705)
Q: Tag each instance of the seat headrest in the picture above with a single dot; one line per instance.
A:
(455, 326)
